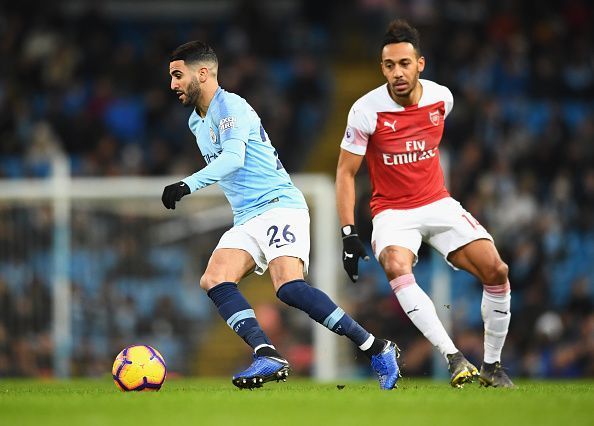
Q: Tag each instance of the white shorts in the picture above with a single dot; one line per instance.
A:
(275, 233)
(444, 225)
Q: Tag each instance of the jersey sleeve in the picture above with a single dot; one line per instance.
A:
(231, 159)
(232, 121)
(448, 99)
(356, 135)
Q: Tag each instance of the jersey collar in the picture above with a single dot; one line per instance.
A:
(216, 93)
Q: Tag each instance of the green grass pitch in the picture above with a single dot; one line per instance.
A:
(300, 402)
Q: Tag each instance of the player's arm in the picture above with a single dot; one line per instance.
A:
(348, 166)
(234, 134)
(233, 123)
(353, 248)
(229, 160)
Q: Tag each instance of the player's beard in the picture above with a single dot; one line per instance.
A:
(402, 93)
(192, 93)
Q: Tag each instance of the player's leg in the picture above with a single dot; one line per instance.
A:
(283, 236)
(288, 280)
(397, 263)
(225, 268)
(287, 277)
(480, 258)
(396, 240)
(467, 245)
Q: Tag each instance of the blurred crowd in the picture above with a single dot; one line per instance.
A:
(520, 142)
(96, 86)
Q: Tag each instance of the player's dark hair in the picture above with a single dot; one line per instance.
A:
(192, 52)
(400, 31)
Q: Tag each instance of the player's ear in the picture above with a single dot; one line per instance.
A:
(421, 63)
(202, 74)
(383, 69)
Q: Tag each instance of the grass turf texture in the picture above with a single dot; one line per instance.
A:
(296, 402)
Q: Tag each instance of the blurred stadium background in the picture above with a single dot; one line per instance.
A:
(84, 96)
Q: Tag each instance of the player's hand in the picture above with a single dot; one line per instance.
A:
(352, 250)
(173, 193)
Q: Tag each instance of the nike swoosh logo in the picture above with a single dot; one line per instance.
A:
(282, 245)
(416, 309)
(282, 361)
(500, 312)
(348, 255)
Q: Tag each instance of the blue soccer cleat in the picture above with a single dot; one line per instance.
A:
(386, 367)
(263, 369)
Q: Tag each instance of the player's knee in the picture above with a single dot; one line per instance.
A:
(395, 265)
(208, 281)
(497, 273)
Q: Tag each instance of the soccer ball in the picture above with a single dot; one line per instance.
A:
(139, 368)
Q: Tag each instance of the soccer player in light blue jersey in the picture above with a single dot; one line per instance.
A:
(271, 221)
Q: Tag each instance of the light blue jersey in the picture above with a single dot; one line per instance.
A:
(240, 157)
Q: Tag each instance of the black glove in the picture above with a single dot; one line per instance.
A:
(173, 193)
(352, 250)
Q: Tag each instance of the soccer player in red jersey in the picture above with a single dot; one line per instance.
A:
(397, 127)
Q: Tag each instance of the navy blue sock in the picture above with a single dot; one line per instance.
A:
(238, 313)
(322, 309)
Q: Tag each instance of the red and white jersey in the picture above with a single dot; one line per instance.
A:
(401, 145)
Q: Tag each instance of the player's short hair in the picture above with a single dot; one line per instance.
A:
(193, 52)
(400, 31)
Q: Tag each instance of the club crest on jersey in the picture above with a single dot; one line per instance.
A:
(213, 136)
(226, 123)
(434, 117)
